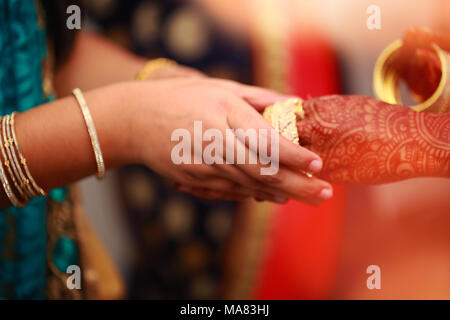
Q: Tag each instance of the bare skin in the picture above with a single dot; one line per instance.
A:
(365, 141)
(134, 121)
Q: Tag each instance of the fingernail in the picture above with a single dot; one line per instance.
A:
(326, 194)
(315, 166)
(279, 199)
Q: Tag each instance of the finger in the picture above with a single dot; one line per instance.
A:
(424, 38)
(258, 98)
(423, 72)
(211, 194)
(241, 118)
(240, 193)
(231, 183)
(290, 184)
(286, 183)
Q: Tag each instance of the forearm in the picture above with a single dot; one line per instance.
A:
(55, 142)
(94, 62)
(363, 140)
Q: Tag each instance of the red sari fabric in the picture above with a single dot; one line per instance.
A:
(301, 257)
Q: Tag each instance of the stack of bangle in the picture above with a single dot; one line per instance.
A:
(16, 166)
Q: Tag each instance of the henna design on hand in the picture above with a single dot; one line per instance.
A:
(366, 141)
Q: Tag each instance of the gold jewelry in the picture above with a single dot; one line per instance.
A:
(153, 65)
(29, 180)
(9, 162)
(92, 132)
(4, 179)
(386, 79)
(15, 202)
(283, 117)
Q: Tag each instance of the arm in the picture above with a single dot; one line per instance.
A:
(135, 122)
(366, 141)
(96, 61)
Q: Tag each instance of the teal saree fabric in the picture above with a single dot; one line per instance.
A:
(23, 234)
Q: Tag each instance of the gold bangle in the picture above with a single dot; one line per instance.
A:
(283, 117)
(10, 164)
(14, 201)
(153, 65)
(4, 180)
(92, 132)
(386, 79)
(29, 180)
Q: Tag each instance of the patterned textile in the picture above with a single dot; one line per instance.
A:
(181, 239)
(23, 232)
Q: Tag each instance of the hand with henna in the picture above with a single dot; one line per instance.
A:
(365, 141)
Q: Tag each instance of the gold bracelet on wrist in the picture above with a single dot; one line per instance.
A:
(14, 162)
(92, 132)
(283, 117)
(11, 196)
(4, 178)
(35, 189)
(9, 162)
(153, 65)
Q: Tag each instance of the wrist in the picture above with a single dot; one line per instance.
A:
(113, 119)
(429, 132)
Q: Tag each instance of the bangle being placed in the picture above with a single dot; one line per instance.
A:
(153, 65)
(92, 132)
(283, 117)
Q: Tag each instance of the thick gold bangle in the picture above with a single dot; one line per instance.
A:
(28, 178)
(153, 65)
(386, 80)
(92, 132)
(283, 117)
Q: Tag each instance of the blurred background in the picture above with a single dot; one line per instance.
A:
(171, 245)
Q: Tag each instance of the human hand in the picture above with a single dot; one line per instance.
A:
(160, 107)
(418, 63)
(175, 71)
(366, 141)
